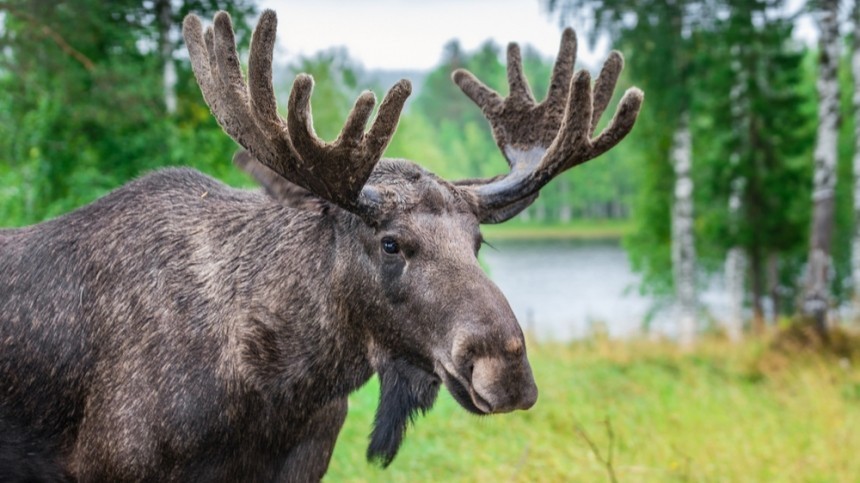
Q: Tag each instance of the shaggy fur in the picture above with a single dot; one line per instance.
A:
(178, 329)
(405, 391)
(24, 458)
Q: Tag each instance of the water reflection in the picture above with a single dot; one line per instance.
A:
(564, 289)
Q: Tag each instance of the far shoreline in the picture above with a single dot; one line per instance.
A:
(575, 230)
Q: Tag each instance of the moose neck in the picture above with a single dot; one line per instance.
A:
(305, 336)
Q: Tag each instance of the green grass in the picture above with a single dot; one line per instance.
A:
(575, 230)
(724, 413)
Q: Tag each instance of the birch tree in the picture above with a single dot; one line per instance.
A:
(683, 239)
(166, 45)
(754, 158)
(662, 37)
(855, 242)
(816, 299)
(736, 259)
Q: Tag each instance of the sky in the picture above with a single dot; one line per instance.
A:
(410, 34)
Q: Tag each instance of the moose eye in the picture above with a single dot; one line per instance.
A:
(390, 246)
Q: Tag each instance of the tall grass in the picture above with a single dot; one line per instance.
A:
(723, 413)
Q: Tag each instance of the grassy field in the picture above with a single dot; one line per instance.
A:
(723, 413)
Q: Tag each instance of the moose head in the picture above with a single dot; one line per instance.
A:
(406, 269)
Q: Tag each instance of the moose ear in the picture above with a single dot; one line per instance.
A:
(275, 185)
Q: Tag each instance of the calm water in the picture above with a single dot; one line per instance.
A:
(562, 290)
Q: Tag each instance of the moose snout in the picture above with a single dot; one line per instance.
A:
(503, 386)
(488, 370)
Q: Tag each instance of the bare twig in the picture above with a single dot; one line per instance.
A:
(521, 463)
(51, 34)
(607, 462)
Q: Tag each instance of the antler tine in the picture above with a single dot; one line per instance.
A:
(519, 86)
(571, 142)
(562, 70)
(386, 120)
(223, 91)
(622, 122)
(335, 171)
(540, 141)
(262, 93)
(352, 156)
(199, 54)
(487, 99)
(604, 87)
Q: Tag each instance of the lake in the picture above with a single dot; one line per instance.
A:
(565, 289)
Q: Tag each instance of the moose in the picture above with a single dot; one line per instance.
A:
(181, 330)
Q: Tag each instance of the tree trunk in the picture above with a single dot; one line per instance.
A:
(539, 210)
(736, 258)
(773, 287)
(564, 212)
(855, 242)
(164, 12)
(816, 298)
(683, 241)
(757, 279)
(736, 266)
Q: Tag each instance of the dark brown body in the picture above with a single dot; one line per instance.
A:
(178, 329)
(146, 334)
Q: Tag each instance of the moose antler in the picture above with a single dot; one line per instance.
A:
(335, 171)
(540, 141)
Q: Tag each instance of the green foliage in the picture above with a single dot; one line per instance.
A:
(660, 39)
(845, 216)
(83, 106)
(755, 112)
(748, 89)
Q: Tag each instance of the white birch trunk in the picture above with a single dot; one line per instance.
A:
(736, 258)
(166, 32)
(735, 273)
(817, 294)
(683, 241)
(855, 242)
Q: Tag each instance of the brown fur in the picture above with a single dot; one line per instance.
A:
(178, 329)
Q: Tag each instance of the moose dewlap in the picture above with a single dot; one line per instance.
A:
(181, 330)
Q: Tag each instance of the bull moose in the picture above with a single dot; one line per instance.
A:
(181, 330)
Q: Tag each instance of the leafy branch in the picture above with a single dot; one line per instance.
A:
(51, 34)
